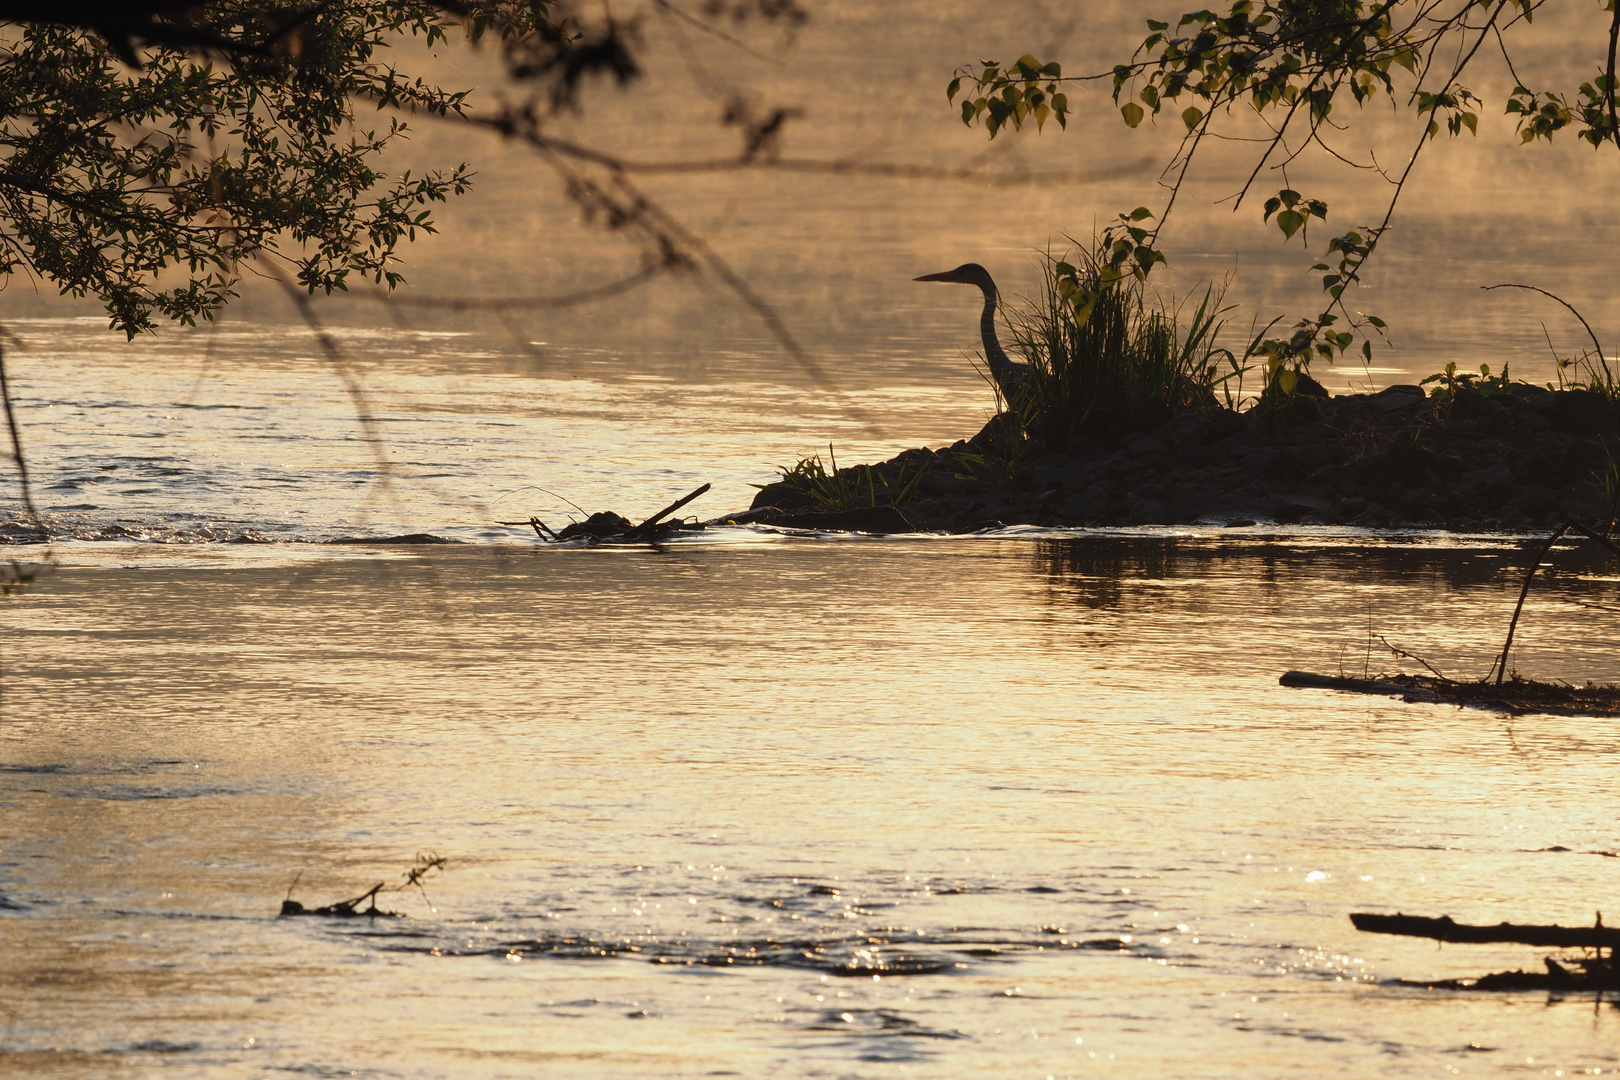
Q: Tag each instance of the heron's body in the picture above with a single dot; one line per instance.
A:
(1009, 375)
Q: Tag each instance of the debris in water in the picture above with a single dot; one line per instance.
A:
(420, 871)
(611, 527)
(1516, 695)
(1591, 971)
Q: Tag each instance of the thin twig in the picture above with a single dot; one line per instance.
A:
(1402, 653)
(500, 303)
(340, 365)
(16, 443)
(1500, 667)
(1554, 296)
(668, 510)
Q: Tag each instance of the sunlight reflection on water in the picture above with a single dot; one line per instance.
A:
(1023, 805)
(1046, 791)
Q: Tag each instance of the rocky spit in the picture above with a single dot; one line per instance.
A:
(1525, 458)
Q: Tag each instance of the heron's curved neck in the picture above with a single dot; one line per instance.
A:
(1000, 366)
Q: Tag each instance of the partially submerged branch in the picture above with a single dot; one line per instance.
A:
(611, 527)
(1500, 667)
(1590, 971)
(424, 867)
(1516, 695)
(1596, 936)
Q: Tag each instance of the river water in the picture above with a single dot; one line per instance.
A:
(1020, 804)
(1026, 803)
(1015, 806)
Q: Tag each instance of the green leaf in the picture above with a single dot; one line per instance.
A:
(1141, 213)
(953, 88)
(1132, 112)
(1190, 116)
(1289, 221)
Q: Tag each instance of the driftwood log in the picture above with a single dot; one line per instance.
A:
(1382, 687)
(1509, 694)
(1593, 971)
(1444, 929)
(1515, 697)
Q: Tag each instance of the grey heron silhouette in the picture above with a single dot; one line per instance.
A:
(1009, 375)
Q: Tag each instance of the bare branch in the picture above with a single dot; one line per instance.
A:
(1597, 347)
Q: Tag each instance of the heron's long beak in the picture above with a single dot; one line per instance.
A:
(942, 276)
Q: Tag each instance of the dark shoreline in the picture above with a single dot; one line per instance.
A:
(1518, 460)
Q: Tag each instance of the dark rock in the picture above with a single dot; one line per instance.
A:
(1530, 419)
(1089, 505)
(606, 523)
(1582, 412)
(1148, 512)
(1534, 504)
(1581, 505)
(1187, 432)
(1146, 446)
(780, 496)
(1374, 517)
(1292, 508)
(1398, 398)
(1283, 465)
(1224, 423)
(1349, 506)
(1472, 405)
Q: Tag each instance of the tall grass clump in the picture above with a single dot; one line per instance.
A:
(1108, 360)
